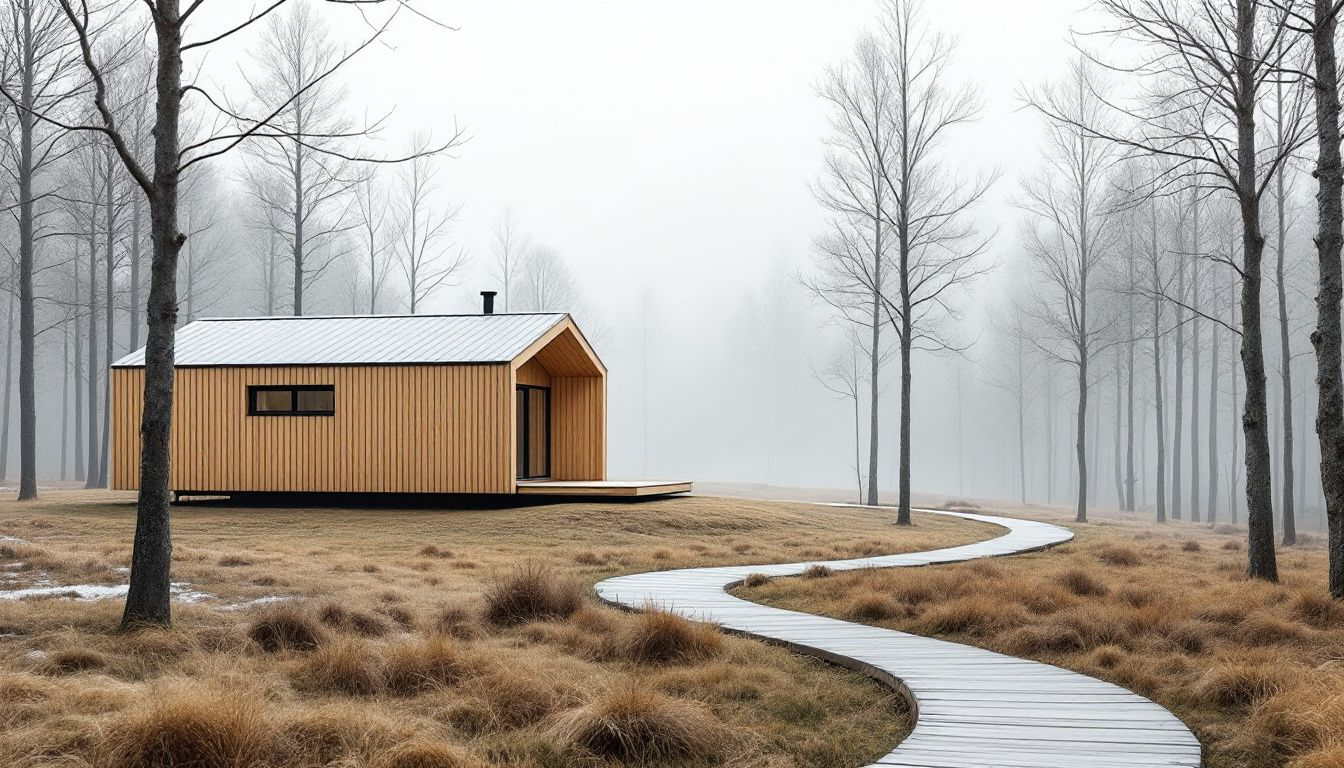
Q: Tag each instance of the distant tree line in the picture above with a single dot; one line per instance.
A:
(1160, 276)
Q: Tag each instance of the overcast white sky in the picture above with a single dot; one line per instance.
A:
(672, 143)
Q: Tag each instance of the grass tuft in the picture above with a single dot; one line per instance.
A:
(636, 725)
(1082, 583)
(286, 627)
(425, 754)
(190, 728)
(657, 636)
(755, 580)
(531, 592)
(417, 666)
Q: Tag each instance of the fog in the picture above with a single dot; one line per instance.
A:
(669, 157)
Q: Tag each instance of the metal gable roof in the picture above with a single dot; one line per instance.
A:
(355, 340)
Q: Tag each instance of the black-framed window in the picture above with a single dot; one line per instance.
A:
(291, 400)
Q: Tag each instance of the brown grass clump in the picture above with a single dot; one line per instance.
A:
(756, 580)
(1190, 545)
(190, 729)
(1119, 555)
(68, 661)
(530, 592)
(872, 606)
(1245, 680)
(1318, 611)
(657, 636)
(457, 621)
(971, 615)
(817, 571)
(416, 666)
(639, 726)
(426, 754)
(350, 620)
(286, 627)
(350, 667)
(434, 550)
(1082, 583)
(1047, 638)
(332, 734)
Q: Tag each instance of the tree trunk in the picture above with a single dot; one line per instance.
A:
(91, 448)
(1285, 356)
(874, 385)
(133, 320)
(1259, 495)
(27, 328)
(1211, 514)
(78, 444)
(1326, 336)
(1048, 405)
(148, 599)
(1158, 396)
(109, 265)
(1119, 430)
(1131, 341)
(9, 387)
(299, 209)
(1194, 359)
(1021, 425)
(1178, 388)
(65, 397)
(1233, 499)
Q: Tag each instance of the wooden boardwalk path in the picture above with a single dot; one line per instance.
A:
(974, 708)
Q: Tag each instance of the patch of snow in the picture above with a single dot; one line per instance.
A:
(10, 538)
(44, 588)
(244, 605)
(35, 655)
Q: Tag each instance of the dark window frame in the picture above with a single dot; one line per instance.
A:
(294, 390)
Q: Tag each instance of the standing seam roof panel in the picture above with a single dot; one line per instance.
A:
(367, 340)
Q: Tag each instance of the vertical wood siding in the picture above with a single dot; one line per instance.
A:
(416, 429)
(579, 427)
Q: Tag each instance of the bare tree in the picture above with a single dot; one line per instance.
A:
(371, 209)
(1069, 237)
(1010, 369)
(852, 269)
(937, 246)
(305, 182)
(423, 224)
(511, 245)
(843, 378)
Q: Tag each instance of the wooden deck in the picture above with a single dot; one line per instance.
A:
(975, 708)
(603, 487)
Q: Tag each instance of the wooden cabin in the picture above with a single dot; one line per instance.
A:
(478, 404)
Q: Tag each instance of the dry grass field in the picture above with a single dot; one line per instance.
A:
(420, 638)
(1256, 670)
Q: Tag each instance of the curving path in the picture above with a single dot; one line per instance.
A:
(974, 708)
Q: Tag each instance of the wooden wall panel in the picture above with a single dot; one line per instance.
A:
(578, 427)
(429, 429)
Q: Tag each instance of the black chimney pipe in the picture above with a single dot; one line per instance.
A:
(488, 302)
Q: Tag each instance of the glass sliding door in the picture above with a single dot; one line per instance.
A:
(533, 406)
